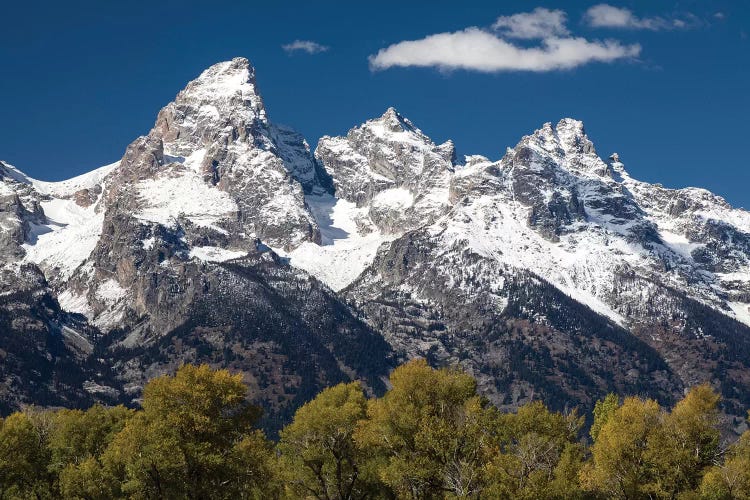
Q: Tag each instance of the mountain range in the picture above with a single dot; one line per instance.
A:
(221, 237)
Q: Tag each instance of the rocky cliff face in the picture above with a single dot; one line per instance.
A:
(551, 216)
(19, 210)
(392, 168)
(48, 357)
(166, 253)
(211, 178)
(220, 237)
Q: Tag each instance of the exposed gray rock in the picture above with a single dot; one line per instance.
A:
(391, 167)
(548, 273)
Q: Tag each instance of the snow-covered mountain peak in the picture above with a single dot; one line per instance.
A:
(395, 122)
(389, 178)
(384, 153)
(212, 178)
(214, 159)
(222, 105)
(54, 225)
(471, 262)
(569, 135)
(392, 127)
(59, 189)
(75, 186)
(570, 127)
(229, 80)
(471, 160)
(220, 115)
(565, 146)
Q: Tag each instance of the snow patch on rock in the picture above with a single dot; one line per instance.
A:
(67, 239)
(183, 192)
(110, 291)
(215, 254)
(70, 186)
(395, 198)
(349, 242)
(741, 311)
(73, 302)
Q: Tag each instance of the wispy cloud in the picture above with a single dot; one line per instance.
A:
(539, 23)
(608, 16)
(489, 51)
(304, 46)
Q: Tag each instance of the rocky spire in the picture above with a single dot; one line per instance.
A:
(617, 167)
(395, 122)
(572, 136)
(221, 105)
(215, 136)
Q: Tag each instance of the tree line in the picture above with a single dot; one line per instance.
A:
(431, 436)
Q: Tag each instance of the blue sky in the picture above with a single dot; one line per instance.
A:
(664, 83)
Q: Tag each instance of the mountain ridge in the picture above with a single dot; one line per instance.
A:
(577, 278)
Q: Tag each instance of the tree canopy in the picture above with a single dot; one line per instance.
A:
(431, 436)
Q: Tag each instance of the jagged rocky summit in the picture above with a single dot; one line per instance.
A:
(220, 237)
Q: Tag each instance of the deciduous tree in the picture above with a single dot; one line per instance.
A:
(620, 466)
(318, 451)
(428, 434)
(188, 438)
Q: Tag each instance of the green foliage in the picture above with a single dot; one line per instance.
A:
(427, 434)
(642, 451)
(78, 440)
(24, 457)
(620, 466)
(88, 480)
(318, 452)
(194, 438)
(189, 439)
(430, 436)
(539, 454)
(603, 409)
(688, 445)
(730, 479)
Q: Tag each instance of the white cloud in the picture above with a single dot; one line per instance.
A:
(608, 16)
(304, 46)
(539, 23)
(479, 50)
